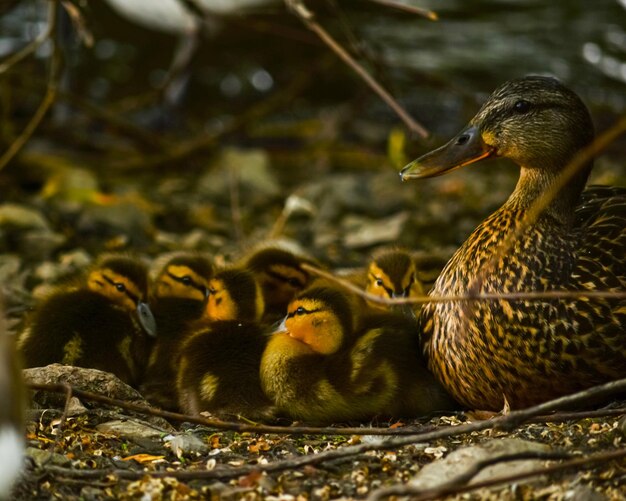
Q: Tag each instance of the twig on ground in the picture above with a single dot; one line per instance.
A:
(452, 489)
(307, 17)
(506, 422)
(227, 425)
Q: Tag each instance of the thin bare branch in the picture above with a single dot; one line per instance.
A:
(228, 425)
(308, 18)
(49, 97)
(446, 490)
(31, 47)
(515, 418)
(410, 9)
(470, 296)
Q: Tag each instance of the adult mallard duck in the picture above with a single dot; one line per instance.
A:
(528, 351)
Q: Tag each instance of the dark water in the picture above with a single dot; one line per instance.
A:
(440, 71)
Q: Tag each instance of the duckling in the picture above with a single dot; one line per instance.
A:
(219, 363)
(321, 367)
(528, 351)
(102, 321)
(12, 398)
(391, 274)
(280, 275)
(179, 298)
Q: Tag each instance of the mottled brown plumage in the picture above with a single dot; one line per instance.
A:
(528, 351)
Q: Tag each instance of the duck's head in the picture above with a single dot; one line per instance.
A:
(124, 281)
(534, 121)
(280, 274)
(184, 276)
(234, 294)
(392, 274)
(319, 320)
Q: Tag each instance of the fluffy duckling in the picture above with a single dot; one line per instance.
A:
(180, 292)
(320, 367)
(102, 321)
(280, 275)
(219, 364)
(11, 412)
(392, 273)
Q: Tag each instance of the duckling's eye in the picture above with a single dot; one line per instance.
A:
(300, 310)
(294, 282)
(212, 290)
(186, 280)
(120, 287)
(521, 106)
(379, 282)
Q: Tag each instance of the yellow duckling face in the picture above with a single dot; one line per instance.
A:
(124, 281)
(117, 287)
(179, 280)
(235, 295)
(393, 275)
(313, 323)
(220, 304)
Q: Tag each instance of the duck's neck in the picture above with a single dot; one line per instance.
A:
(534, 183)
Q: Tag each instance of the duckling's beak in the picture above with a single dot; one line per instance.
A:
(146, 318)
(280, 326)
(465, 148)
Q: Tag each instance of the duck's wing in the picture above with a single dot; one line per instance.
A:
(601, 220)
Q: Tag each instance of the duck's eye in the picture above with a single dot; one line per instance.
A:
(300, 310)
(379, 282)
(521, 106)
(186, 280)
(120, 287)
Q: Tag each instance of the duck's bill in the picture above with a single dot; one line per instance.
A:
(465, 148)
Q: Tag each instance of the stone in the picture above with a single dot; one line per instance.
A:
(461, 460)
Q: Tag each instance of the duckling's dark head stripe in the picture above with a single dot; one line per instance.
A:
(199, 264)
(133, 269)
(133, 297)
(272, 256)
(395, 266)
(243, 289)
(336, 300)
(187, 281)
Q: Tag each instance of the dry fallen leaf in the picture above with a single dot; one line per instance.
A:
(143, 458)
